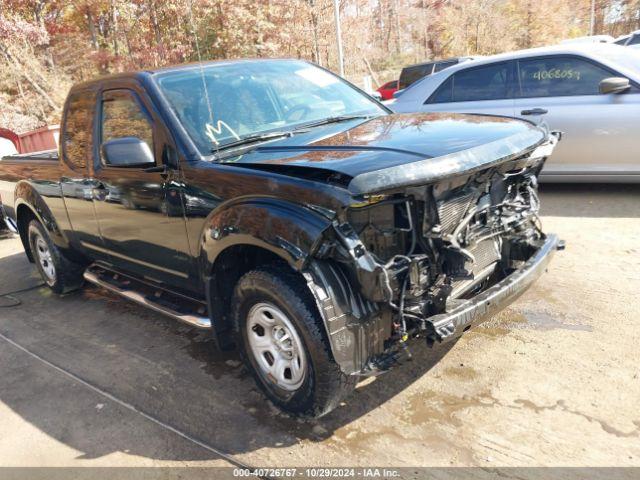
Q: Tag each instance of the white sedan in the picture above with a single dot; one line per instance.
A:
(590, 92)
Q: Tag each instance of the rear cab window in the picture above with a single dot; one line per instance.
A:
(77, 129)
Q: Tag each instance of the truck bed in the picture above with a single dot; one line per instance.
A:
(41, 171)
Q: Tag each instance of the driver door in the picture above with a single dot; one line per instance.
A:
(139, 207)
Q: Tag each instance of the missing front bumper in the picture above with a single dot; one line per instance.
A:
(447, 326)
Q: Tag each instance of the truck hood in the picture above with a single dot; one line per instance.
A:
(399, 150)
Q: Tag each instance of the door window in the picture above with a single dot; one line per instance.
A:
(490, 82)
(122, 116)
(485, 83)
(77, 129)
(560, 76)
(444, 92)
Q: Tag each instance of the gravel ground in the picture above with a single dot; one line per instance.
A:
(553, 380)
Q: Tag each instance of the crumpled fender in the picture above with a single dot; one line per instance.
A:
(291, 231)
(355, 327)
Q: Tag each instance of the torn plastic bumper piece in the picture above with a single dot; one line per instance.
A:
(356, 327)
(450, 325)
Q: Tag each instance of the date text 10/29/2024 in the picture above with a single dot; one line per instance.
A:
(312, 472)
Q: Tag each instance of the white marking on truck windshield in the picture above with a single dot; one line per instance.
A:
(211, 131)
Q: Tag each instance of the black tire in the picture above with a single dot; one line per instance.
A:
(324, 384)
(67, 275)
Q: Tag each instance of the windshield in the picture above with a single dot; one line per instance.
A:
(624, 56)
(220, 104)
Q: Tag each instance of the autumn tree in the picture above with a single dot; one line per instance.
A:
(45, 45)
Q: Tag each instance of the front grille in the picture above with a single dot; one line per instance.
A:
(452, 211)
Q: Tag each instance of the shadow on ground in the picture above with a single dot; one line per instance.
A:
(161, 367)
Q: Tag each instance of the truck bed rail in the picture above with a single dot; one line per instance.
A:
(51, 155)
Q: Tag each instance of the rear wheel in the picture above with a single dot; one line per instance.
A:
(284, 343)
(58, 272)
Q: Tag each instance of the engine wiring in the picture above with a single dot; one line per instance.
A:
(519, 206)
(403, 332)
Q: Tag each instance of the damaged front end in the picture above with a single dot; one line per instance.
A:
(430, 260)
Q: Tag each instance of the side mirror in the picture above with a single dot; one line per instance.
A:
(377, 95)
(614, 85)
(127, 152)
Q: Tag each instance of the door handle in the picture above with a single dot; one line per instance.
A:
(534, 111)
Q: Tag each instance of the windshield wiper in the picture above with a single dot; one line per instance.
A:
(260, 137)
(257, 137)
(336, 119)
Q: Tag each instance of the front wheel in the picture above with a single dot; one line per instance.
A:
(58, 272)
(284, 343)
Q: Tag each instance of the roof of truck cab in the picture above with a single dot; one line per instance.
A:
(194, 65)
(174, 68)
(115, 76)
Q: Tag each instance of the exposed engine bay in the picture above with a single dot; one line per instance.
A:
(427, 249)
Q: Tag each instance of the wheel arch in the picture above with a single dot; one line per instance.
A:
(229, 266)
(247, 233)
(24, 215)
(254, 232)
(288, 230)
(355, 327)
(30, 205)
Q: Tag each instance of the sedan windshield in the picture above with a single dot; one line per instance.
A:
(624, 56)
(222, 104)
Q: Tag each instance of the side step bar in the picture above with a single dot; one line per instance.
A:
(155, 300)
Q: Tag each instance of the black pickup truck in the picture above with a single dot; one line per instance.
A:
(286, 211)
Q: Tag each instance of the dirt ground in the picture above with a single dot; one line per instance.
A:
(554, 380)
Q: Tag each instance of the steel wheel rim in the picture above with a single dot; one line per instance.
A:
(276, 346)
(45, 259)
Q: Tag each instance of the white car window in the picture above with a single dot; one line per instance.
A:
(475, 84)
(560, 76)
